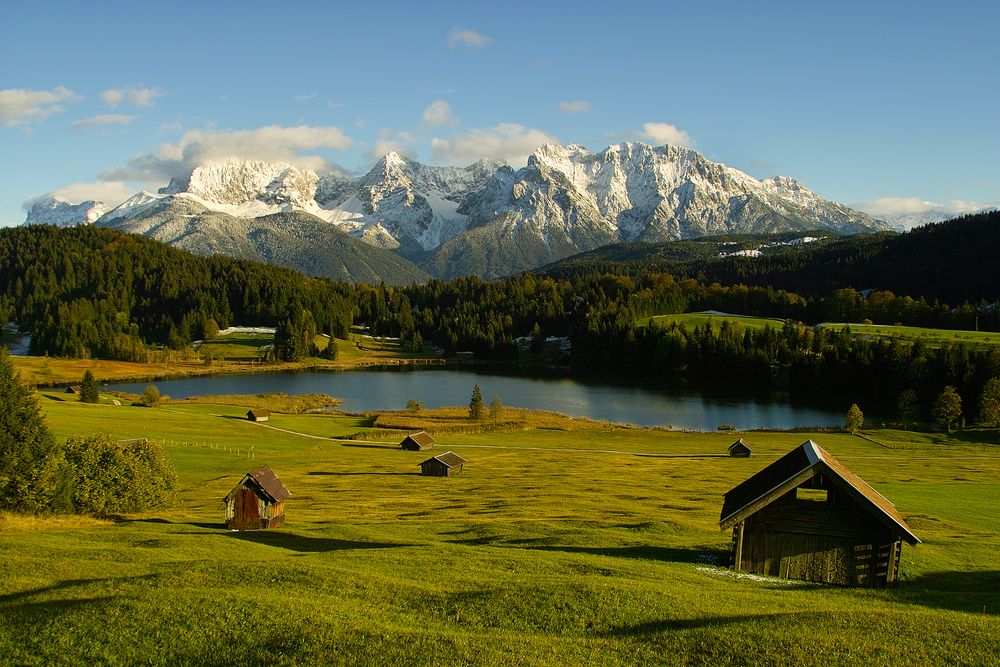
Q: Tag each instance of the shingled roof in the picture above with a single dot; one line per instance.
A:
(450, 459)
(795, 468)
(269, 483)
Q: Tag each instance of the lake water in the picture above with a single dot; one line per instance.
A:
(362, 390)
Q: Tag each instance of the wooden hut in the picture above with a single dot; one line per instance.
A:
(258, 501)
(73, 389)
(808, 517)
(442, 465)
(739, 449)
(417, 442)
(258, 415)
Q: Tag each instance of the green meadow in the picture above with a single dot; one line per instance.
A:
(596, 546)
(929, 337)
(692, 320)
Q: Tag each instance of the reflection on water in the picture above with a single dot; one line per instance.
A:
(391, 389)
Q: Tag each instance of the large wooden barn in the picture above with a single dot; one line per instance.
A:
(808, 517)
(442, 465)
(258, 501)
(417, 442)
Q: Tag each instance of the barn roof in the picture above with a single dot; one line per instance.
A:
(450, 459)
(265, 479)
(795, 468)
(738, 443)
(423, 438)
(258, 413)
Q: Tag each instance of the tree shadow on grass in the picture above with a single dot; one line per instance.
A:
(710, 555)
(973, 592)
(306, 544)
(673, 625)
(324, 473)
(21, 598)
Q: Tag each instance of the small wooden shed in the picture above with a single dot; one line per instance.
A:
(442, 465)
(806, 516)
(258, 415)
(258, 501)
(417, 442)
(73, 389)
(740, 449)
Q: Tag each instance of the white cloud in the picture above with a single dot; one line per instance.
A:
(273, 143)
(136, 95)
(305, 98)
(464, 37)
(399, 142)
(439, 112)
(23, 107)
(507, 141)
(102, 119)
(665, 133)
(577, 106)
(893, 207)
(111, 193)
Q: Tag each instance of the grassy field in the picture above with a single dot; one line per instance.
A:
(692, 320)
(930, 337)
(235, 353)
(587, 546)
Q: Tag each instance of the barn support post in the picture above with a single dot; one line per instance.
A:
(738, 550)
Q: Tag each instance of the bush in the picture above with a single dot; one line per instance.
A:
(150, 396)
(107, 476)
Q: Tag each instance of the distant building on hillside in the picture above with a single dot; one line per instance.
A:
(808, 517)
(417, 442)
(442, 465)
(258, 501)
(73, 389)
(739, 449)
(258, 415)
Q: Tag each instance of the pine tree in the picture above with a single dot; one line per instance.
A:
(476, 404)
(907, 404)
(89, 391)
(29, 459)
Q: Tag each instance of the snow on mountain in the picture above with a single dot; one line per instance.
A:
(414, 205)
(61, 213)
(635, 192)
(138, 204)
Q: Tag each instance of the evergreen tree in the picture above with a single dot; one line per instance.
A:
(855, 418)
(89, 391)
(947, 408)
(989, 403)
(476, 404)
(29, 459)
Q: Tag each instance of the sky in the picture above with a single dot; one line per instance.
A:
(889, 106)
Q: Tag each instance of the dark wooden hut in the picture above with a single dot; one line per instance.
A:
(417, 442)
(73, 389)
(258, 415)
(442, 465)
(808, 517)
(258, 501)
(739, 449)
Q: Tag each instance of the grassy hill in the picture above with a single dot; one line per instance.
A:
(597, 545)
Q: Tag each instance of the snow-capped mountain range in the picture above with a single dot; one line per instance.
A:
(565, 200)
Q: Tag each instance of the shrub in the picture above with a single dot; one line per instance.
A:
(150, 396)
(107, 476)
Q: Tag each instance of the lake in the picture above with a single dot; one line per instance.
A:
(390, 389)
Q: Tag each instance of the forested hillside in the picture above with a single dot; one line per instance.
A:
(87, 291)
(953, 261)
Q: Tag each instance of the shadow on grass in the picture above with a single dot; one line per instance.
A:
(656, 627)
(973, 592)
(324, 473)
(20, 598)
(984, 437)
(359, 445)
(666, 554)
(305, 544)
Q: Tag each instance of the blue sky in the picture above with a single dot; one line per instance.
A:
(860, 101)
